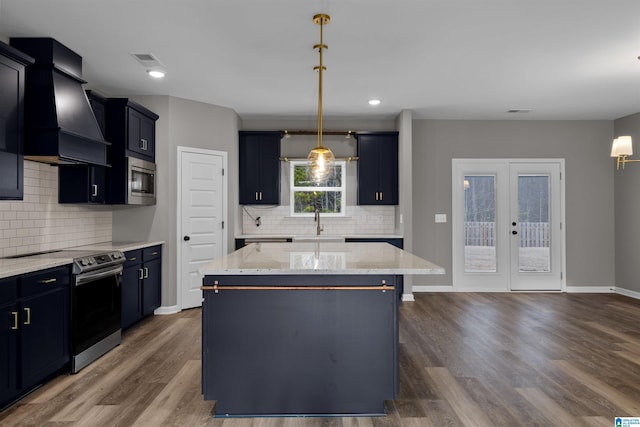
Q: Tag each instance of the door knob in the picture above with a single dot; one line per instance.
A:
(514, 232)
(513, 223)
(186, 238)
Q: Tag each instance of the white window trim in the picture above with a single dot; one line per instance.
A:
(293, 189)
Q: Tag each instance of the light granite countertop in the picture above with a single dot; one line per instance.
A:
(16, 266)
(320, 258)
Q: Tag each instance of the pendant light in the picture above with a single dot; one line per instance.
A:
(321, 158)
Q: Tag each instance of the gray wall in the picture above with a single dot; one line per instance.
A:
(627, 200)
(585, 146)
(189, 124)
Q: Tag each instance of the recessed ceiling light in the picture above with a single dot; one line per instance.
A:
(374, 102)
(158, 74)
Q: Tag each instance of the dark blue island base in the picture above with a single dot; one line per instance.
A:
(300, 345)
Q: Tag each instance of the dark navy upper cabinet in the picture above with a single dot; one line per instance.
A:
(12, 81)
(259, 167)
(377, 168)
(81, 184)
(131, 128)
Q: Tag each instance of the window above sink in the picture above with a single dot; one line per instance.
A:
(307, 196)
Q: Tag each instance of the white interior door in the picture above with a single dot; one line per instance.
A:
(506, 222)
(202, 214)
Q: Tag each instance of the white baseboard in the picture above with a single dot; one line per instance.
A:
(408, 297)
(171, 309)
(427, 288)
(590, 289)
(628, 293)
(569, 289)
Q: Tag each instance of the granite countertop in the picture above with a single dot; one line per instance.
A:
(320, 258)
(63, 256)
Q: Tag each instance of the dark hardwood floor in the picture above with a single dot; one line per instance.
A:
(465, 360)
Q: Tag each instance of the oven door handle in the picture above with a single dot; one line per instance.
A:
(82, 279)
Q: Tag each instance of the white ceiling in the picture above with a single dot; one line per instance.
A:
(443, 59)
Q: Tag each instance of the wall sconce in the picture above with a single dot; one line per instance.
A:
(621, 148)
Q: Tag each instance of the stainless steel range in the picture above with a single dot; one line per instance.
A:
(95, 306)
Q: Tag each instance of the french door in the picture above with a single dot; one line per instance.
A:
(507, 224)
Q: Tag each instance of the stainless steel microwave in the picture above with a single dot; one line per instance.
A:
(141, 176)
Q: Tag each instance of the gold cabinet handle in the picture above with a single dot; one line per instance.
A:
(381, 196)
(15, 320)
(27, 311)
(154, 253)
(140, 273)
(133, 259)
(48, 281)
(146, 272)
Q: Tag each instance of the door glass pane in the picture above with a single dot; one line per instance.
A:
(533, 223)
(480, 224)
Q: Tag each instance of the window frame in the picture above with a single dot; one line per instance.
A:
(293, 189)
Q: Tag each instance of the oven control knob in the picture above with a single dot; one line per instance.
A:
(83, 261)
(91, 260)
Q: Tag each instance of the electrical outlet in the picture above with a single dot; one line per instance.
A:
(441, 218)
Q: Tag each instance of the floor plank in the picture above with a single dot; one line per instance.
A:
(465, 360)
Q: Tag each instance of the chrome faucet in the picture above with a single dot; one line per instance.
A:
(319, 228)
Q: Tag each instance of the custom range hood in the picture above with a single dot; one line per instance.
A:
(60, 127)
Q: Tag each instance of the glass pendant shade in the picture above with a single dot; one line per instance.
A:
(321, 159)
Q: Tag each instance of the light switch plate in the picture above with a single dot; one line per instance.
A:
(441, 218)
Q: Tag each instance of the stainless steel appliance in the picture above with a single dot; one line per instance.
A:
(141, 185)
(95, 306)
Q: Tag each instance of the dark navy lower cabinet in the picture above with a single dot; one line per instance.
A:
(8, 340)
(299, 350)
(35, 329)
(141, 284)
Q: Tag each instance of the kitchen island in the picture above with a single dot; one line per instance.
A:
(304, 329)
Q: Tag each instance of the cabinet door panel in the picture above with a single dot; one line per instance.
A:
(44, 339)
(134, 123)
(131, 295)
(11, 129)
(147, 136)
(270, 171)
(388, 184)
(97, 178)
(368, 170)
(151, 286)
(8, 352)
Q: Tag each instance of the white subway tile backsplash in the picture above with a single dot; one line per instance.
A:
(358, 220)
(39, 223)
